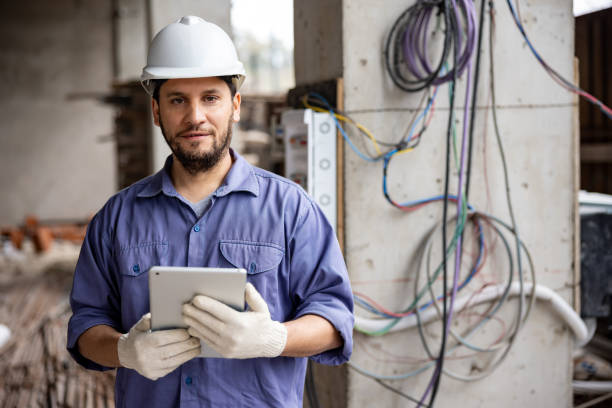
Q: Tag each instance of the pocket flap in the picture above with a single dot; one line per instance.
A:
(255, 257)
(137, 259)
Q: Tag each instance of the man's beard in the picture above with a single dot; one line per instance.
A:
(195, 162)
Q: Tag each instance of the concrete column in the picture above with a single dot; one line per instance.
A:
(317, 40)
(132, 39)
(382, 243)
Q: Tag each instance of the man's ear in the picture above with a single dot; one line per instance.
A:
(236, 102)
(155, 110)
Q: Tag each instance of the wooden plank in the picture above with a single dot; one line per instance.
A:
(606, 93)
(331, 383)
(576, 152)
(340, 169)
(597, 73)
(582, 51)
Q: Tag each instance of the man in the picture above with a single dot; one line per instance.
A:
(208, 207)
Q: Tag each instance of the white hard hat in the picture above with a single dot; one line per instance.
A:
(191, 48)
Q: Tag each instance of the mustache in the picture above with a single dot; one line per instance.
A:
(203, 129)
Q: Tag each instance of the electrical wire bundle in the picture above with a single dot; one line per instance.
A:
(409, 34)
(407, 49)
(553, 73)
(407, 143)
(414, 23)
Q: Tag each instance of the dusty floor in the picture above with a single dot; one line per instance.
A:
(35, 368)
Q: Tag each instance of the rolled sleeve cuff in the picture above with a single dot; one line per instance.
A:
(342, 323)
(76, 327)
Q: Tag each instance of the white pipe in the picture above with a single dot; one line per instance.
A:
(563, 309)
(592, 387)
(5, 335)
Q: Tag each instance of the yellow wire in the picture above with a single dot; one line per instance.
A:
(405, 150)
(345, 119)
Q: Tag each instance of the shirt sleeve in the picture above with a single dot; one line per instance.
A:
(94, 297)
(319, 279)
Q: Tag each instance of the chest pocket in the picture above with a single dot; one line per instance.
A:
(261, 262)
(137, 259)
(133, 263)
(255, 257)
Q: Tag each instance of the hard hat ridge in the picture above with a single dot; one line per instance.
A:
(191, 47)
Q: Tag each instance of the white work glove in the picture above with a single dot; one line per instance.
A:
(236, 334)
(155, 354)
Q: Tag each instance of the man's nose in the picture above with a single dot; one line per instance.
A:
(196, 114)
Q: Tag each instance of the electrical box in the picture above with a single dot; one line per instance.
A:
(310, 156)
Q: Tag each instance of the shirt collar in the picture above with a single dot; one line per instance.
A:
(241, 177)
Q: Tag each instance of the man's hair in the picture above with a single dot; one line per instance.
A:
(228, 79)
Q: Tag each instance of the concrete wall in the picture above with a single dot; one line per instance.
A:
(317, 40)
(536, 120)
(135, 18)
(55, 157)
(131, 38)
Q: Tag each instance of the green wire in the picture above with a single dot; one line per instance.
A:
(449, 251)
(451, 247)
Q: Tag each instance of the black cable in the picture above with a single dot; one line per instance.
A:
(474, 100)
(453, 26)
(503, 154)
(400, 393)
(395, 40)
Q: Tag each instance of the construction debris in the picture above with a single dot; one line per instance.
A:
(35, 368)
(43, 234)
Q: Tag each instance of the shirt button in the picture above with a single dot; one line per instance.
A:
(252, 267)
(188, 380)
(196, 228)
(136, 268)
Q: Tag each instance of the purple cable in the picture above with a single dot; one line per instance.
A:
(460, 195)
(459, 210)
(416, 35)
(459, 206)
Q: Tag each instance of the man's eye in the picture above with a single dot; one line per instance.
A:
(210, 98)
(176, 101)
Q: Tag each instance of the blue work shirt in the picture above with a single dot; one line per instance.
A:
(257, 221)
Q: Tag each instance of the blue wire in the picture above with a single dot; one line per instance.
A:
(422, 115)
(341, 129)
(372, 309)
(354, 148)
(387, 158)
(517, 20)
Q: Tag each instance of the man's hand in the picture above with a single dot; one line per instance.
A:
(155, 354)
(235, 334)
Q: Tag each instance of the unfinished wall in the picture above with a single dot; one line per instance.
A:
(56, 160)
(536, 119)
(317, 40)
(131, 38)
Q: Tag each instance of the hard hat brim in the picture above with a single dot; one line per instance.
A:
(148, 74)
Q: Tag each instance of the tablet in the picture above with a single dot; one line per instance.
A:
(172, 286)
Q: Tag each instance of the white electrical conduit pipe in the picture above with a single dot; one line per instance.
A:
(565, 311)
(591, 387)
(5, 335)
